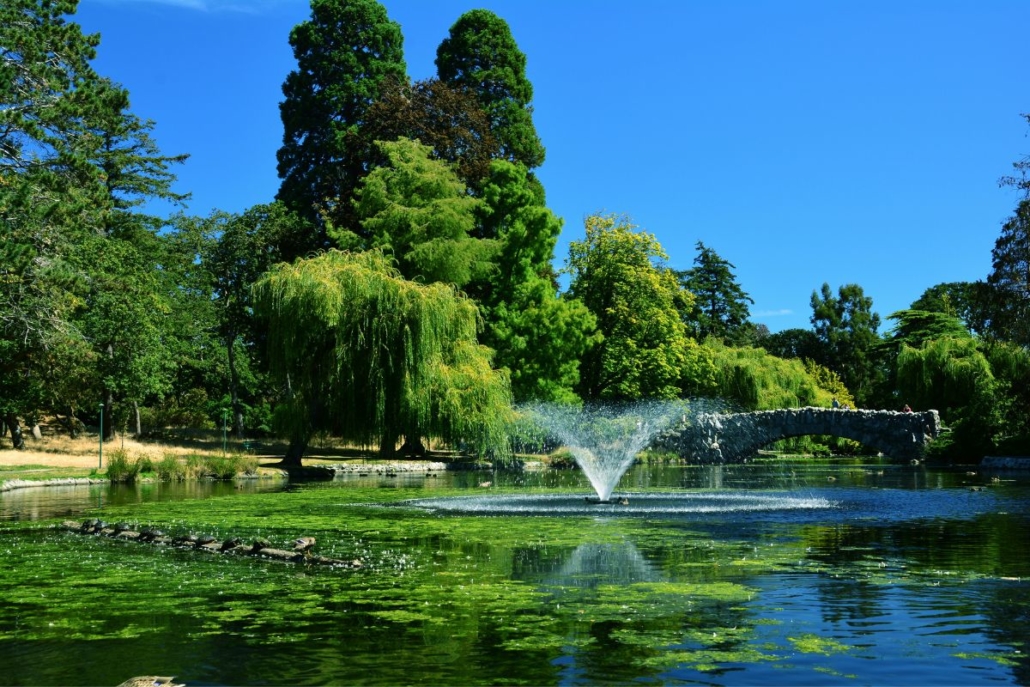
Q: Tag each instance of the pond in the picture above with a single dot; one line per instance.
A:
(850, 574)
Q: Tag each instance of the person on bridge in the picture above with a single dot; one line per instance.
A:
(836, 403)
(906, 409)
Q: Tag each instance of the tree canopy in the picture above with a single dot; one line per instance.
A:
(481, 55)
(621, 277)
(345, 52)
(720, 305)
(373, 356)
(846, 328)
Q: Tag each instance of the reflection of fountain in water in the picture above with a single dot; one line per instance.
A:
(605, 439)
(591, 565)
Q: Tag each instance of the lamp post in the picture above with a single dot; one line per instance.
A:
(225, 424)
(100, 466)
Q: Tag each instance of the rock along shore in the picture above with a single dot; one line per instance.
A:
(11, 484)
(261, 548)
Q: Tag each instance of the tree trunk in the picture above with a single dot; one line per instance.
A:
(234, 386)
(413, 446)
(137, 420)
(388, 445)
(17, 439)
(294, 453)
(108, 412)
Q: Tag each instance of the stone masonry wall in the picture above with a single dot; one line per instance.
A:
(733, 438)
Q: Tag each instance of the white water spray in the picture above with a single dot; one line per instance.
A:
(605, 440)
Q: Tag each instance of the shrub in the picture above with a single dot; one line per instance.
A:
(171, 468)
(120, 468)
(144, 464)
(194, 467)
(561, 458)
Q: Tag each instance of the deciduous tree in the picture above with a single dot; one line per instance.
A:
(846, 326)
(621, 277)
(447, 119)
(372, 356)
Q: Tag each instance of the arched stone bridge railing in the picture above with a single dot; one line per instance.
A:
(733, 438)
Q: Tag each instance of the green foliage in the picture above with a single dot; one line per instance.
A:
(954, 377)
(373, 356)
(170, 468)
(795, 343)
(964, 300)
(227, 467)
(481, 55)
(755, 380)
(188, 410)
(416, 210)
(620, 276)
(120, 468)
(344, 53)
(75, 166)
(1009, 281)
(538, 336)
(720, 306)
(447, 119)
(1010, 365)
(846, 328)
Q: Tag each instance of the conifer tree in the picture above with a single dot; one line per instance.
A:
(344, 53)
(720, 306)
(480, 54)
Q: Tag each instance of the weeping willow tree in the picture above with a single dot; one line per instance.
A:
(756, 380)
(952, 375)
(371, 357)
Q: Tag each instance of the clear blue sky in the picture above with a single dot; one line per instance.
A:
(806, 142)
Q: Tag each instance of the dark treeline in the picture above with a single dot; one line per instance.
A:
(401, 285)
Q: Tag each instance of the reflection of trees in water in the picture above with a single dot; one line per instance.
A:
(970, 560)
(1007, 607)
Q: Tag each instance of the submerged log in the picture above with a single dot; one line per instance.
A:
(260, 548)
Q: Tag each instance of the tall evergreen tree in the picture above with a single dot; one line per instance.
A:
(846, 326)
(720, 306)
(480, 54)
(344, 52)
(1009, 280)
(537, 335)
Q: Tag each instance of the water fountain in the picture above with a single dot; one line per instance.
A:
(606, 439)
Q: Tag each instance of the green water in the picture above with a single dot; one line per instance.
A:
(906, 577)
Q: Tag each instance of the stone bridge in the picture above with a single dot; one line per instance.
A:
(733, 438)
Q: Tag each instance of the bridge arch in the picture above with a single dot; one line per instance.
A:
(735, 437)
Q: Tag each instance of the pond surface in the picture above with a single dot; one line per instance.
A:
(858, 574)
